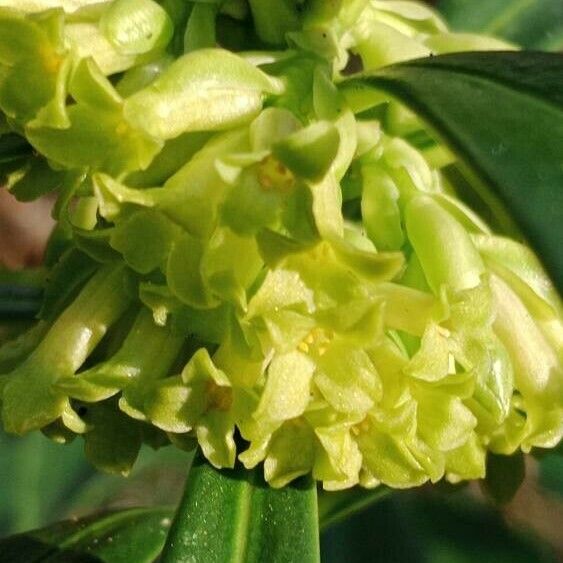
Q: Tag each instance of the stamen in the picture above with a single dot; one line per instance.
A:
(219, 397)
(274, 176)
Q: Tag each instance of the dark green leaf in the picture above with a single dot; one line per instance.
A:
(232, 516)
(13, 147)
(534, 24)
(96, 244)
(34, 475)
(334, 507)
(38, 180)
(423, 526)
(114, 442)
(116, 537)
(502, 114)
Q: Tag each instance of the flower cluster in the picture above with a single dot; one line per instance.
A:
(252, 259)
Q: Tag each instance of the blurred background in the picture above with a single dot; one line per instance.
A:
(41, 482)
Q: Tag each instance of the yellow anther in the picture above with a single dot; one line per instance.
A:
(451, 364)
(362, 427)
(442, 331)
(219, 397)
(316, 341)
(274, 176)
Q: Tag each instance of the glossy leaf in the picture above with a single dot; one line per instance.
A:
(116, 537)
(232, 516)
(502, 114)
(534, 24)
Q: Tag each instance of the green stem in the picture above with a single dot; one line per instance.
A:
(233, 516)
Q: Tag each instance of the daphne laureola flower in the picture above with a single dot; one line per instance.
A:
(252, 259)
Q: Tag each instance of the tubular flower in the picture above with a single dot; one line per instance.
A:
(251, 259)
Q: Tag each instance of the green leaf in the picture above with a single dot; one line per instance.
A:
(135, 534)
(534, 24)
(38, 180)
(438, 527)
(27, 465)
(336, 506)
(114, 440)
(232, 516)
(13, 148)
(502, 114)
